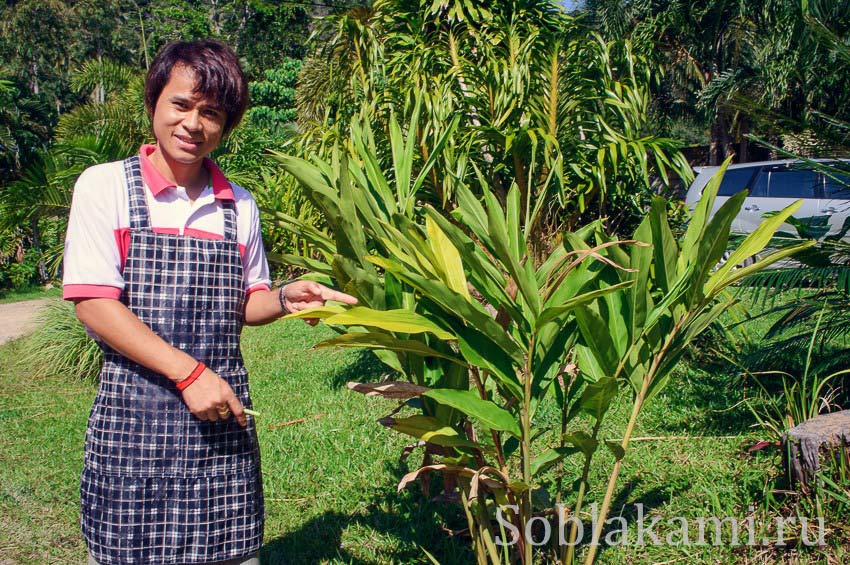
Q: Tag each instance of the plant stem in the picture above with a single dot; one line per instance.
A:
(612, 479)
(482, 392)
(480, 552)
(559, 482)
(615, 472)
(525, 507)
(585, 472)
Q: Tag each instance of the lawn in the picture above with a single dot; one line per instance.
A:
(330, 471)
(28, 293)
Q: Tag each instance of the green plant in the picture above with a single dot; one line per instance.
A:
(329, 475)
(801, 397)
(24, 273)
(486, 336)
(819, 282)
(830, 493)
(273, 97)
(540, 101)
(61, 345)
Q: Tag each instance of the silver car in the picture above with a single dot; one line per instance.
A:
(773, 185)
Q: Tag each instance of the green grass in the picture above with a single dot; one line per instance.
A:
(330, 471)
(28, 293)
(43, 424)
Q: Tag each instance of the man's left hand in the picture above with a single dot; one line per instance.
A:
(301, 295)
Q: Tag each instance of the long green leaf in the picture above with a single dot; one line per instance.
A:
(582, 440)
(480, 351)
(498, 233)
(664, 246)
(752, 245)
(404, 321)
(447, 257)
(429, 429)
(597, 341)
(762, 263)
(472, 312)
(486, 411)
(483, 273)
(322, 312)
(550, 457)
(372, 340)
(436, 153)
(553, 312)
(712, 246)
(699, 220)
(596, 398)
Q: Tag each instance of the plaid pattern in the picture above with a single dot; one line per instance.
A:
(159, 485)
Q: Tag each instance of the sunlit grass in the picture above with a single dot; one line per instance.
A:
(28, 293)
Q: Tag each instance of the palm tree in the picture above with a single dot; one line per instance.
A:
(109, 127)
(22, 128)
(335, 74)
(115, 104)
(798, 82)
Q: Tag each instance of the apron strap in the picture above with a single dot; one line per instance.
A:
(139, 216)
(228, 207)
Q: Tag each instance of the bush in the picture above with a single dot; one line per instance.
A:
(61, 345)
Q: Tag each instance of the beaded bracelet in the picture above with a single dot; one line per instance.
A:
(193, 376)
(282, 300)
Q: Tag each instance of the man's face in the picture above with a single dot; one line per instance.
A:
(187, 126)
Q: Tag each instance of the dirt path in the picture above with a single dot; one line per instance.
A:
(18, 318)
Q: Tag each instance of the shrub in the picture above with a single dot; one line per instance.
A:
(61, 345)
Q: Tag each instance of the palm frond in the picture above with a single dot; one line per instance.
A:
(101, 78)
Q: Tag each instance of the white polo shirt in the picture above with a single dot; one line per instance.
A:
(99, 226)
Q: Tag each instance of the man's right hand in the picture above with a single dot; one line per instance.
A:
(211, 398)
(208, 398)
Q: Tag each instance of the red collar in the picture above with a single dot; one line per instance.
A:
(157, 182)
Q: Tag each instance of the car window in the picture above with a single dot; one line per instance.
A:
(837, 187)
(782, 181)
(760, 185)
(736, 180)
(794, 183)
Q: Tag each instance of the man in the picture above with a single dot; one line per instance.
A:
(164, 262)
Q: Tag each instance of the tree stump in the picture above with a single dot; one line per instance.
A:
(805, 446)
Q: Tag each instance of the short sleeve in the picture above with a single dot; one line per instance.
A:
(256, 265)
(92, 261)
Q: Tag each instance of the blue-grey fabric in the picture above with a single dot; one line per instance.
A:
(159, 485)
(253, 559)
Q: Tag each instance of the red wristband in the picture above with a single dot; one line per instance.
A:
(193, 376)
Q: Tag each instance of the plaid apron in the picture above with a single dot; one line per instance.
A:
(159, 485)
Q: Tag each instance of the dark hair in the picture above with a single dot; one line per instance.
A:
(217, 70)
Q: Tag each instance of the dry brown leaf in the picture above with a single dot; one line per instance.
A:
(464, 471)
(389, 389)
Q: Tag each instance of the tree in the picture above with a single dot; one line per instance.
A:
(809, 102)
(21, 128)
(535, 94)
(797, 86)
(263, 32)
(695, 42)
(273, 98)
(71, 93)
